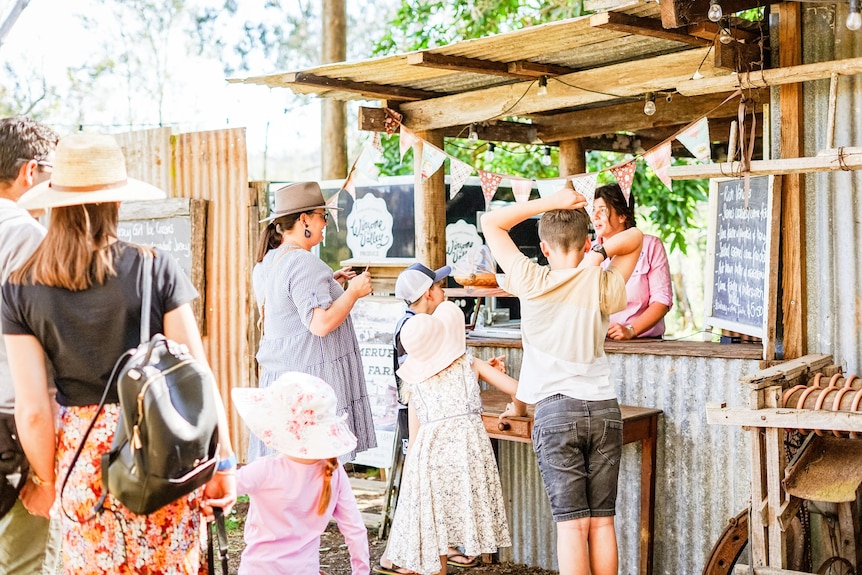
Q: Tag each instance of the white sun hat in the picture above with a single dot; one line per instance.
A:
(88, 169)
(296, 416)
(432, 342)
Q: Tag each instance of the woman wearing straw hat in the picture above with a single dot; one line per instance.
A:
(77, 302)
(306, 311)
(295, 493)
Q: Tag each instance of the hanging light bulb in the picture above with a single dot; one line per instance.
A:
(715, 12)
(543, 86)
(854, 19)
(473, 135)
(489, 153)
(725, 37)
(546, 159)
(649, 104)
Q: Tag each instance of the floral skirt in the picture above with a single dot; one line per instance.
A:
(167, 542)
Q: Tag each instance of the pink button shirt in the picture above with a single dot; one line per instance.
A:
(282, 528)
(650, 282)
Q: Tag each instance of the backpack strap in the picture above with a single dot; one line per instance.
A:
(221, 533)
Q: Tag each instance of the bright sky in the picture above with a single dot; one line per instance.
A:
(48, 37)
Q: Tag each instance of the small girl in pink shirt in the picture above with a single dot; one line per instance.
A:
(294, 493)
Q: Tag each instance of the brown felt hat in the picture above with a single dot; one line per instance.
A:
(88, 169)
(298, 197)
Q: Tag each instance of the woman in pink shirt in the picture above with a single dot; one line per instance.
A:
(648, 290)
(295, 492)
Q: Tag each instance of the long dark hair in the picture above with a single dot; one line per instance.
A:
(614, 198)
(271, 236)
(76, 252)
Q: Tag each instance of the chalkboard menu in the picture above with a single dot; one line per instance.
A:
(176, 226)
(741, 262)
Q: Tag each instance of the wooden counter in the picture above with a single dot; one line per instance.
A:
(639, 424)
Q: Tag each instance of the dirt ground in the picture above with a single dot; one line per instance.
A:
(334, 557)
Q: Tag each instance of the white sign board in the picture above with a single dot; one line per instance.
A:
(461, 238)
(369, 228)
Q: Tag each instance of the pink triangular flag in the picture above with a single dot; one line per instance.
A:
(625, 174)
(549, 187)
(521, 189)
(586, 186)
(458, 173)
(376, 143)
(696, 139)
(349, 185)
(367, 162)
(490, 182)
(407, 139)
(333, 203)
(659, 160)
(432, 158)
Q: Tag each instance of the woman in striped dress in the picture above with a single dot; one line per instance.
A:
(306, 311)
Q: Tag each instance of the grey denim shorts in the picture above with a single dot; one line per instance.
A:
(578, 445)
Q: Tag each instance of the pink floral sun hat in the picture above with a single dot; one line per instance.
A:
(296, 416)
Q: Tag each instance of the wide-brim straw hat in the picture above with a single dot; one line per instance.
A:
(432, 342)
(297, 416)
(298, 197)
(88, 169)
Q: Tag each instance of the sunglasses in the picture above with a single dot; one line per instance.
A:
(324, 215)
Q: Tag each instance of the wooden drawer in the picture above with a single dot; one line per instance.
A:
(513, 429)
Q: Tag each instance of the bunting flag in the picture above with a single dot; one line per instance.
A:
(376, 143)
(586, 186)
(696, 139)
(490, 183)
(333, 203)
(658, 159)
(350, 186)
(406, 141)
(367, 162)
(521, 189)
(548, 187)
(625, 174)
(458, 173)
(432, 158)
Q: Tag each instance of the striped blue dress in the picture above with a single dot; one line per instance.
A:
(291, 283)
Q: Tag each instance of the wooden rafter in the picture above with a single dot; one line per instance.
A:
(519, 69)
(630, 117)
(826, 161)
(677, 13)
(651, 27)
(370, 91)
(710, 31)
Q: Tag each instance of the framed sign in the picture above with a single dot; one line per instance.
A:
(742, 256)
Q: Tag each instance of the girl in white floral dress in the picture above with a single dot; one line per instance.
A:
(450, 490)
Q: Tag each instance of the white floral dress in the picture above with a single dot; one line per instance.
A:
(450, 490)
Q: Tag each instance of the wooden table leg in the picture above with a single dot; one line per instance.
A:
(648, 473)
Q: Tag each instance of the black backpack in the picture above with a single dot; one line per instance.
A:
(166, 442)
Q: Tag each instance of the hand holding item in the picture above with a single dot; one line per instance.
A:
(361, 284)
(220, 491)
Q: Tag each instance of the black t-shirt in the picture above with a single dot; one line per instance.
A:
(85, 332)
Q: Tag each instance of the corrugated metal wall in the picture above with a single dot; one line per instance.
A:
(212, 166)
(703, 470)
(833, 199)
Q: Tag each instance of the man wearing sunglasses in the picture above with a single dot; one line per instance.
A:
(28, 544)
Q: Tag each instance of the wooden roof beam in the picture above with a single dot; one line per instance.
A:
(623, 80)
(631, 117)
(519, 69)
(678, 13)
(370, 91)
(771, 77)
(710, 30)
(832, 160)
(641, 26)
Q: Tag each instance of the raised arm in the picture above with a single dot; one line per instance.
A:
(623, 248)
(496, 224)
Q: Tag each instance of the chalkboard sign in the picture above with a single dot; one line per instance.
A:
(741, 264)
(177, 226)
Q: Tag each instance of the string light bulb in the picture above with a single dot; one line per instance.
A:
(725, 37)
(854, 19)
(715, 13)
(543, 86)
(649, 104)
(473, 135)
(489, 153)
(546, 158)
